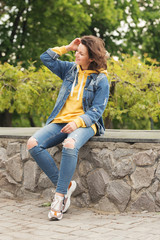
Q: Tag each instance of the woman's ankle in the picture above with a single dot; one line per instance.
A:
(59, 194)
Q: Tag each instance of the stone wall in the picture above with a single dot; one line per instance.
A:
(110, 176)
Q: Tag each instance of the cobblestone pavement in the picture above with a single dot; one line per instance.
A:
(27, 220)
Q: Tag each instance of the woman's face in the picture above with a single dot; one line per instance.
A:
(82, 57)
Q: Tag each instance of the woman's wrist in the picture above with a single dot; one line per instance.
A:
(68, 48)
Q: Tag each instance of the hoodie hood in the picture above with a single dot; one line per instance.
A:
(84, 74)
(103, 71)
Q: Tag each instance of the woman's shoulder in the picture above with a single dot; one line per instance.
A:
(102, 77)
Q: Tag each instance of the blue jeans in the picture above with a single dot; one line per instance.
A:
(49, 136)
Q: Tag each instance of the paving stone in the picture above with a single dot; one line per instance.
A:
(6, 238)
(27, 220)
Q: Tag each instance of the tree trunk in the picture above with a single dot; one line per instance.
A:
(108, 123)
(32, 124)
(5, 119)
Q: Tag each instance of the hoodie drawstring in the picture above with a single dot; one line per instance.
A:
(80, 87)
(73, 85)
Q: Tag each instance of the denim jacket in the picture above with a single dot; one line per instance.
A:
(95, 94)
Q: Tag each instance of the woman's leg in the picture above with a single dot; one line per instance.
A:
(71, 146)
(46, 137)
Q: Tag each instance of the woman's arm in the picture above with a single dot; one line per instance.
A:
(51, 61)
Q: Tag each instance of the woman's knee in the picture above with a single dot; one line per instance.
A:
(69, 143)
(32, 142)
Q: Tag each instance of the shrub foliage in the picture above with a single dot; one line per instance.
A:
(134, 101)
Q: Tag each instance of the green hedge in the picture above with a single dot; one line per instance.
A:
(134, 98)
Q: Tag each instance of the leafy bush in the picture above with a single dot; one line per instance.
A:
(30, 91)
(135, 93)
(134, 101)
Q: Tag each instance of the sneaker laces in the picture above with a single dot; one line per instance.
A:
(57, 204)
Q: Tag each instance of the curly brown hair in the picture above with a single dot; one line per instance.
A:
(97, 52)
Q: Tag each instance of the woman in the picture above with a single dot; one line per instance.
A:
(77, 114)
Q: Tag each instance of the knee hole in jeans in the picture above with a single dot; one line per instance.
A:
(32, 142)
(69, 143)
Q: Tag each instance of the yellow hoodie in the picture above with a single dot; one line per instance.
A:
(73, 109)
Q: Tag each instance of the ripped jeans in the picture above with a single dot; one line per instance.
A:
(50, 136)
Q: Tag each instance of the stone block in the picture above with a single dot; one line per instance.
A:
(142, 177)
(103, 159)
(145, 158)
(120, 153)
(84, 152)
(86, 198)
(84, 168)
(101, 145)
(157, 208)
(123, 145)
(144, 203)
(81, 200)
(10, 179)
(44, 181)
(83, 181)
(110, 145)
(52, 151)
(57, 158)
(14, 167)
(108, 161)
(6, 195)
(31, 175)
(119, 193)
(95, 157)
(3, 157)
(106, 206)
(97, 181)
(158, 198)
(123, 168)
(157, 174)
(24, 152)
(3, 142)
(80, 188)
(30, 195)
(48, 194)
(154, 187)
(145, 146)
(7, 184)
(13, 148)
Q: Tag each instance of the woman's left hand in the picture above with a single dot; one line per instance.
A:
(70, 127)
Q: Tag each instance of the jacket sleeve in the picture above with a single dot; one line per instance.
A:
(51, 61)
(99, 103)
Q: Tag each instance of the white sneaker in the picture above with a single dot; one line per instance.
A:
(67, 197)
(56, 208)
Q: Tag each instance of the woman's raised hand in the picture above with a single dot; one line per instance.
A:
(73, 45)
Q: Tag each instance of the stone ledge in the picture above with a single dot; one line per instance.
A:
(111, 135)
(117, 172)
